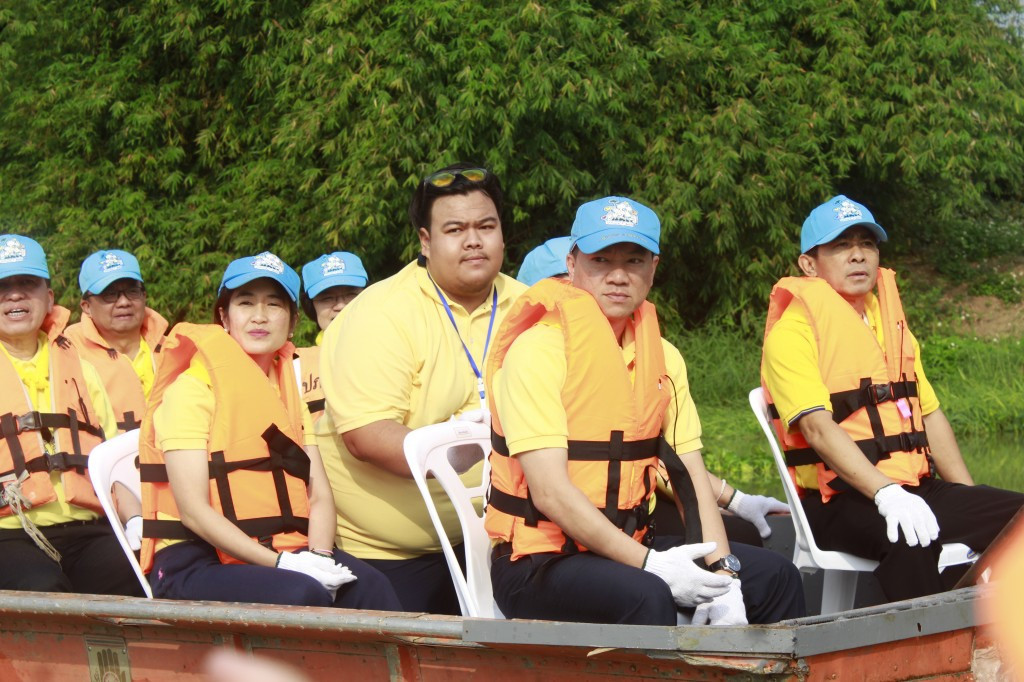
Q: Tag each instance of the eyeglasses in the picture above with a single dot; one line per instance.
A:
(445, 178)
(113, 295)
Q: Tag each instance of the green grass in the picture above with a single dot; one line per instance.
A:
(979, 382)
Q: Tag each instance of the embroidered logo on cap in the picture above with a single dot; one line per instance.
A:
(268, 261)
(620, 213)
(847, 210)
(110, 262)
(12, 251)
(333, 265)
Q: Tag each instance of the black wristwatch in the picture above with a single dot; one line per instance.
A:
(727, 563)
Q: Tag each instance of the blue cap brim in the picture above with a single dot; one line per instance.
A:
(23, 269)
(875, 228)
(336, 281)
(592, 243)
(246, 277)
(102, 283)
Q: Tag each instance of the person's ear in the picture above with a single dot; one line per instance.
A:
(807, 265)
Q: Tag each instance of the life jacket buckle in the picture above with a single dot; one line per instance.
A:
(58, 461)
(30, 421)
(880, 393)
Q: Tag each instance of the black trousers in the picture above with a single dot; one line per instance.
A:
(424, 583)
(973, 515)
(668, 521)
(92, 561)
(588, 588)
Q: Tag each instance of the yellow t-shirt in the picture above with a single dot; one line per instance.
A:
(790, 371)
(35, 377)
(392, 354)
(144, 367)
(528, 388)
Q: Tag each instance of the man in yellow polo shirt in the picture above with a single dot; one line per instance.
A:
(118, 334)
(53, 536)
(408, 352)
(587, 396)
(860, 424)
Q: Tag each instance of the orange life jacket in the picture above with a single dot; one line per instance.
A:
(258, 470)
(71, 429)
(309, 371)
(115, 369)
(868, 384)
(614, 423)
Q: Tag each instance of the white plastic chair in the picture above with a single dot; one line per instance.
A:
(434, 450)
(110, 462)
(841, 568)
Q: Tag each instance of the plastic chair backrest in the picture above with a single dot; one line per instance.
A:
(110, 462)
(444, 451)
(806, 553)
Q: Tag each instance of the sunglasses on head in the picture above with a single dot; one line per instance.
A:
(446, 178)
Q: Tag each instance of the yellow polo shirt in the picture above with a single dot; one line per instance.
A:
(392, 354)
(142, 363)
(35, 377)
(791, 373)
(528, 392)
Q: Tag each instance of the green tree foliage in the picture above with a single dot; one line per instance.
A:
(196, 131)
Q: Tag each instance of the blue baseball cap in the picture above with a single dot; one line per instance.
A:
(338, 269)
(22, 256)
(103, 268)
(614, 220)
(244, 270)
(547, 260)
(831, 219)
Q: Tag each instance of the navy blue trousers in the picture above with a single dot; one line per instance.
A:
(973, 515)
(588, 588)
(424, 583)
(192, 570)
(92, 561)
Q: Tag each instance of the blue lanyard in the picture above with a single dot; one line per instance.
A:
(487, 341)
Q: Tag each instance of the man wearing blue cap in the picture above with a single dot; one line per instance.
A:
(586, 397)
(329, 283)
(119, 334)
(860, 424)
(53, 536)
(547, 260)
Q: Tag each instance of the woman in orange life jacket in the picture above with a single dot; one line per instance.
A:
(329, 283)
(234, 508)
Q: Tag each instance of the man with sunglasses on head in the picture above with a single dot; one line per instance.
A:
(409, 352)
(53, 535)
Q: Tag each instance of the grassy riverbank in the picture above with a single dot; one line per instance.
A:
(980, 384)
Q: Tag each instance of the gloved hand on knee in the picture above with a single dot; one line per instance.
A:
(909, 512)
(754, 508)
(728, 609)
(324, 570)
(133, 533)
(690, 585)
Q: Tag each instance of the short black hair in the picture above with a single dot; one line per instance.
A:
(306, 303)
(426, 194)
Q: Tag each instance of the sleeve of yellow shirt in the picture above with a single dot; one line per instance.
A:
(790, 367)
(925, 392)
(681, 426)
(366, 367)
(182, 421)
(528, 391)
(99, 399)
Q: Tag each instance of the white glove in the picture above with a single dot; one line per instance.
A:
(727, 609)
(754, 508)
(909, 512)
(133, 533)
(481, 416)
(322, 569)
(690, 585)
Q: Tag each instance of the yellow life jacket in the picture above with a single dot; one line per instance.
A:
(72, 426)
(868, 384)
(258, 470)
(614, 423)
(115, 369)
